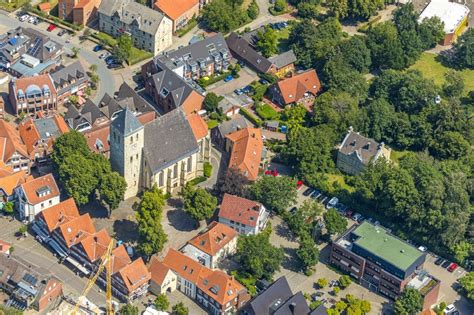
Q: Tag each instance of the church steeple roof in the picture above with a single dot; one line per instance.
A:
(126, 123)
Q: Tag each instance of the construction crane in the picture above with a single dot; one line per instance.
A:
(105, 261)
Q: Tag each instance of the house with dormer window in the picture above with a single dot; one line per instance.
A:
(70, 80)
(36, 195)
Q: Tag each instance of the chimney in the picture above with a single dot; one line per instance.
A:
(292, 308)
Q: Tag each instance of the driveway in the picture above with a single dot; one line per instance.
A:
(107, 80)
(246, 76)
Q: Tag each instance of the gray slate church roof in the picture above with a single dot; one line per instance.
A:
(126, 123)
(168, 139)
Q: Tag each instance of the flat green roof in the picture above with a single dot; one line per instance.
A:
(379, 242)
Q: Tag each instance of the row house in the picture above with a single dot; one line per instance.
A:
(200, 59)
(216, 291)
(210, 246)
(13, 150)
(243, 215)
(36, 195)
(70, 80)
(75, 239)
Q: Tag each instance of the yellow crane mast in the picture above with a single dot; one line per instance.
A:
(105, 261)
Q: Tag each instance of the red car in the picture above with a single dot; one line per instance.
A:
(51, 27)
(299, 184)
(452, 267)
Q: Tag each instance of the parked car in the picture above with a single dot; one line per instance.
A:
(263, 81)
(316, 194)
(139, 87)
(439, 261)
(273, 172)
(51, 27)
(323, 199)
(449, 309)
(247, 89)
(349, 213)
(422, 249)
(97, 48)
(332, 203)
(446, 264)
(36, 21)
(356, 216)
(228, 78)
(238, 92)
(62, 32)
(452, 267)
(361, 219)
(114, 65)
(299, 184)
(105, 55)
(31, 19)
(23, 18)
(334, 283)
(308, 192)
(293, 210)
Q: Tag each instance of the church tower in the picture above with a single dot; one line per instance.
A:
(126, 149)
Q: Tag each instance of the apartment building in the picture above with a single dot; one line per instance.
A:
(180, 12)
(70, 80)
(382, 262)
(243, 215)
(216, 291)
(79, 12)
(36, 195)
(200, 59)
(33, 94)
(210, 246)
(149, 29)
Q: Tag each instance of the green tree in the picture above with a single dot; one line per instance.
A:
(308, 10)
(198, 203)
(253, 10)
(463, 52)
(257, 256)
(280, 6)
(69, 143)
(235, 183)
(74, 100)
(307, 252)
(151, 234)
(8, 208)
(294, 116)
(334, 222)
(211, 102)
(339, 8)
(22, 230)
(340, 76)
(112, 189)
(302, 220)
(467, 285)
(222, 16)
(405, 19)
(161, 302)
(431, 31)
(354, 52)
(364, 9)
(129, 309)
(453, 84)
(410, 302)
(276, 193)
(75, 52)
(93, 68)
(344, 281)
(180, 309)
(123, 49)
(385, 46)
(10, 310)
(336, 290)
(450, 145)
(267, 41)
(356, 306)
(322, 283)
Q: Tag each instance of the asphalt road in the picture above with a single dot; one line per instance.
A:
(107, 82)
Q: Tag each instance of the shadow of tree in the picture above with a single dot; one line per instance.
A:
(175, 203)
(95, 210)
(181, 221)
(282, 230)
(126, 230)
(291, 261)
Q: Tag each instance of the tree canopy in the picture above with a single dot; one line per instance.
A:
(467, 285)
(198, 202)
(276, 193)
(334, 222)
(463, 52)
(410, 302)
(267, 42)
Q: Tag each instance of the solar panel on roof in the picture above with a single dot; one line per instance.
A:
(30, 279)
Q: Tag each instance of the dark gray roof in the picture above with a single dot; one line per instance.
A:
(168, 139)
(126, 123)
(47, 128)
(74, 71)
(166, 81)
(89, 112)
(129, 12)
(251, 36)
(204, 51)
(320, 310)
(294, 305)
(271, 299)
(128, 97)
(364, 148)
(242, 50)
(283, 59)
(238, 122)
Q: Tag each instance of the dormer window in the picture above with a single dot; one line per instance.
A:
(164, 92)
(43, 191)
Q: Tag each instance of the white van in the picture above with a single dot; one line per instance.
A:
(332, 203)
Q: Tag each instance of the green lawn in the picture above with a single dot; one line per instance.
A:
(336, 178)
(12, 5)
(212, 124)
(266, 112)
(433, 69)
(395, 156)
(136, 55)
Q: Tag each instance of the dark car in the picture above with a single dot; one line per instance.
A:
(114, 66)
(97, 48)
(62, 32)
(446, 264)
(439, 261)
(247, 89)
(263, 81)
(293, 210)
(238, 92)
(316, 194)
(308, 192)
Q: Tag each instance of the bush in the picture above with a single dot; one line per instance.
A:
(183, 31)
(197, 180)
(207, 169)
(259, 91)
(344, 281)
(321, 283)
(253, 119)
(336, 290)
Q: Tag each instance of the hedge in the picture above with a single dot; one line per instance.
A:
(207, 169)
(253, 119)
(55, 20)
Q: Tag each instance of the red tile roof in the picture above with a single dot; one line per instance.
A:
(120, 258)
(198, 125)
(45, 6)
(58, 214)
(4, 246)
(246, 151)
(11, 181)
(75, 230)
(134, 275)
(214, 238)
(39, 80)
(183, 265)
(294, 88)
(95, 245)
(240, 210)
(10, 141)
(32, 187)
(175, 9)
(101, 133)
(158, 270)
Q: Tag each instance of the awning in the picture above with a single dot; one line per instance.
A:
(77, 265)
(61, 252)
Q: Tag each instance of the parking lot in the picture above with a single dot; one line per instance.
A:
(246, 76)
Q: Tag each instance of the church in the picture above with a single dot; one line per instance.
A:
(167, 152)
